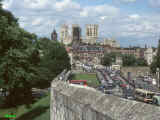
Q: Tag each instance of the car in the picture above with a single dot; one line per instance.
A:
(128, 94)
(112, 74)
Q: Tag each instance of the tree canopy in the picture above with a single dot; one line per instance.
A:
(53, 61)
(156, 60)
(22, 64)
(128, 60)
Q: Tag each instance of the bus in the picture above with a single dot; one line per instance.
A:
(147, 96)
(144, 95)
(80, 82)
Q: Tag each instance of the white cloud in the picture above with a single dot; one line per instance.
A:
(37, 21)
(134, 16)
(103, 17)
(35, 3)
(84, 13)
(65, 4)
(145, 28)
(7, 4)
(105, 9)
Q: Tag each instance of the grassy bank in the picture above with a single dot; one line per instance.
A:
(91, 79)
(38, 111)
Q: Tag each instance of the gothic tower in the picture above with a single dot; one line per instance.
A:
(54, 35)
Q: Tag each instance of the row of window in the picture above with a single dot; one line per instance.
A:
(90, 55)
(91, 49)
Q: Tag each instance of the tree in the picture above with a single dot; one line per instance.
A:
(21, 64)
(156, 61)
(109, 58)
(16, 61)
(141, 62)
(129, 60)
(54, 60)
(0, 4)
(76, 58)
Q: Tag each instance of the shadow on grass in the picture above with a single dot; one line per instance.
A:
(31, 115)
(3, 118)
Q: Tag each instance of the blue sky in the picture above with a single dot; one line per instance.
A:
(130, 22)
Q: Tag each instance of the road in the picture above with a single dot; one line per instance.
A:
(113, 82)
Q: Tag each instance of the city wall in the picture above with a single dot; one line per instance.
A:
(74, 102)
(134, 71)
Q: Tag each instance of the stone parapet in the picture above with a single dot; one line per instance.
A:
(75, 102)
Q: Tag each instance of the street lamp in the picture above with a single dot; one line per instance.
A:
(157, 73)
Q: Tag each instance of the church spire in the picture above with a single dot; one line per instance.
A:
(54, 35)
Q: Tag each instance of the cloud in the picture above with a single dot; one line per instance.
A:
(7, 4)
(98, 10)
(154, 3)
(66, 4)
(103, 17)
(37, 21)
(84, 13)
(126, 1)
(41, 16)
(134, 16)
(146, 27)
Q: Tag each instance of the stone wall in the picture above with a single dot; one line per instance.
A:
(75, 102)
(134, 71)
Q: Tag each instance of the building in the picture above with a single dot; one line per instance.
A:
(54, 35)
(89, 54)
(70, 54)
(91, 33)
(111, 42)
(65, 38)
(148, 55)
(137, 52)
(76, 33)
(119, 61)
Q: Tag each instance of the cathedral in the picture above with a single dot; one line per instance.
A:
(54, 35)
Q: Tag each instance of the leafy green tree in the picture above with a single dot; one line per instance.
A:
(156, 61)
(107, 59)
(54, 60)
(16, 62)
(0, 4)
(129, 60)
(141, 62)
(76, 57)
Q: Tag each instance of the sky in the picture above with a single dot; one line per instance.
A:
(130, 22)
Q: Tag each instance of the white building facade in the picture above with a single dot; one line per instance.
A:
(65, 38)
(149, 55)
(91, 33)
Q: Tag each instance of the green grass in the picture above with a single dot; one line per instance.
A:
(38, 111)
(91, 79)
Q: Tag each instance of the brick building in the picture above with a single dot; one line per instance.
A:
(90, 54)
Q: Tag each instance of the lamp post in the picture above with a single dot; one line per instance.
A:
(157, 73)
